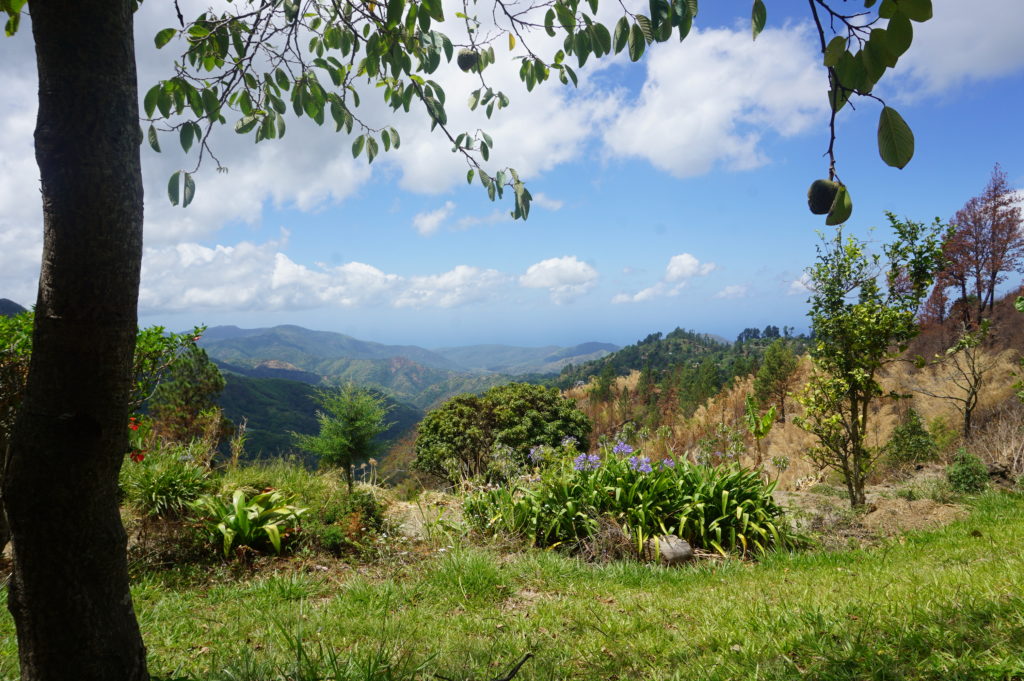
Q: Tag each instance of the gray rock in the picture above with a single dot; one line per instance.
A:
(668, 549)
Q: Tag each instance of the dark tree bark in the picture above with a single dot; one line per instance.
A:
(69, 592)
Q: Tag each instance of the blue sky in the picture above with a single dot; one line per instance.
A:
(668, 193)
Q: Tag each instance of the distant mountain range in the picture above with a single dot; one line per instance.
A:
(410, 373)
(513, 360)
(320, 352)
(272, 372)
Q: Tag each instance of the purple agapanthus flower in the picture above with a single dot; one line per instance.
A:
(536, 455)
(586, 462)
(668, 462)
(622, 448)
(640, 463)
(569, 440)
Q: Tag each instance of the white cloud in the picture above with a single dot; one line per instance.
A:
(800, 286)
(493, 218)
(546, 202)
(685, 266)
(732, 291)
(679, 270)
(711, 99)
(659, 290)
(462, 285)
(958, 46)
(428, 223)
(565, 278)
(249, 276)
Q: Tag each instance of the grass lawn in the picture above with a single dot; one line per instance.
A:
(947, 604)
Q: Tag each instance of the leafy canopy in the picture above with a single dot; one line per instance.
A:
(259, 61)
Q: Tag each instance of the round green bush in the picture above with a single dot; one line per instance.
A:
(967, 474)
(491, 436)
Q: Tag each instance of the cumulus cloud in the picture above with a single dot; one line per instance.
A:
(679, 270)
(732, 291)
(249, 276)
(800, 286)
(428, 223)
(710, 99)
(462, 285)
(685, 266)
(957, 47)
(565, 278)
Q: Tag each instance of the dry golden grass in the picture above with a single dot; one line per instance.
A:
(998, 436)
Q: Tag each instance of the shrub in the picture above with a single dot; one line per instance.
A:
(341, 524)
(262, 523)
(718, 508)
(967, 474)
(911, 442)
(490, 436)
(163, 482)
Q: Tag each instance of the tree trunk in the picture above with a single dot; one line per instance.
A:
(69, 591)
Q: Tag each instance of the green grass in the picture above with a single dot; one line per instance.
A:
(944, 605)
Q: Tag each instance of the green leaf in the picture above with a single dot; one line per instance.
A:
(153, 141)
(895, 138)
(636, 43)
(172, 188)
(164, 37)
(836, 48)
(186, 135)
(842, 207)
(469, 176)
(549, 22)
(916, 10)
(758, 17)
(246, 124)
(149, 102)
(396, 141)
(395, 10)
(565, 17)
(371, 149)
(621, 36)
(357, 146)
(899, 34)
(190, 190)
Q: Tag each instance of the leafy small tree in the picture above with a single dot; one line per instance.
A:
(758, 424)
(777, 375)
(350, 420)
(467, 435)
(863, 312)
(910, 441)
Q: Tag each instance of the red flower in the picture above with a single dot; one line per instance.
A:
(137, 455)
